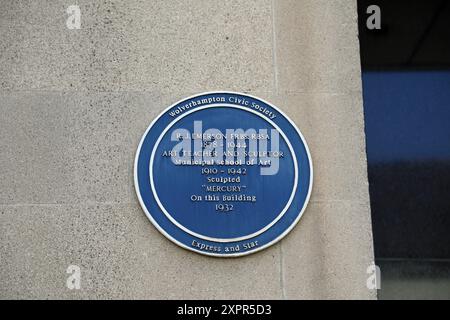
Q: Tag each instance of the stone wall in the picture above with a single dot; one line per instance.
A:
(74, 104)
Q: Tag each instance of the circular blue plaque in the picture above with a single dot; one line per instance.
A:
(223, 174)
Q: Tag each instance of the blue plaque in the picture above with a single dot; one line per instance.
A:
(223, 174)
